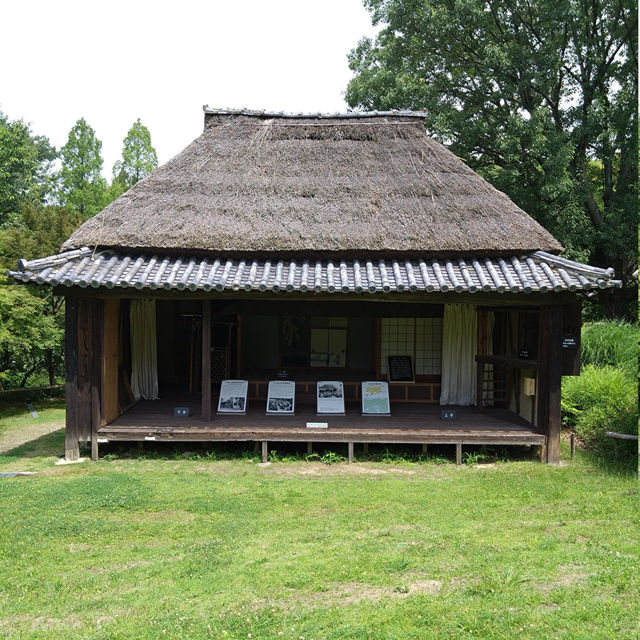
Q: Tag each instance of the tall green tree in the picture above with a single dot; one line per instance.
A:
(139, 157)
(26, 163)
(539, 96)
(83, 188)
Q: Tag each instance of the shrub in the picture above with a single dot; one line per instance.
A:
(612, 342)
(599, 400)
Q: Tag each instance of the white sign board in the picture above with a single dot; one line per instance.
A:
(330, 397)
(375, 398)
(233, 396)
(281, 397)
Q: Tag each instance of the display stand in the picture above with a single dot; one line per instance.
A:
(281, 397)
(233, 397)
(375, 398)
(330, 398)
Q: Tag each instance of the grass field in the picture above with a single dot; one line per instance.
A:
(203, 548)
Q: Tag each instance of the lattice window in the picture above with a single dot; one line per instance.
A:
(420, 338)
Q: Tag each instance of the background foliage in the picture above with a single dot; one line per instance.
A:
(540, 97)
(44, 196)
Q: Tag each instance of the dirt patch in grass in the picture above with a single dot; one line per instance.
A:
(319, 469)
(353, 592)
(568, 576)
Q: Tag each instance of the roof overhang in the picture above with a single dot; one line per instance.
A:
(107, 269)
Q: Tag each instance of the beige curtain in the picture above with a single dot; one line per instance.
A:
(459, 348)
(144, 357)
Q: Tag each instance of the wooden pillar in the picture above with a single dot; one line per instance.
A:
(239, 347)
(71, 448)
(206, 360)
(109, 381)
(350, 452)
(85, 357)
(265, 452)
(96, 371)
(550, 378)
(459, 453)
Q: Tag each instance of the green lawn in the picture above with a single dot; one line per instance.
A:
(204, 548)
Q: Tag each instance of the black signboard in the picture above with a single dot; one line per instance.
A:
(569, 342)
(448, 414)
(400, 369)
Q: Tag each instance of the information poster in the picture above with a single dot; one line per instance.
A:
(375, 399)
(233, 396)
(330, 397)
(281, 397)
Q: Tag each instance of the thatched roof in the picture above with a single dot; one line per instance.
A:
(257, 183)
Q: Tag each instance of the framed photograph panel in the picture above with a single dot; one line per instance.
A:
(330, 397)
(281, 397)
(233, 397)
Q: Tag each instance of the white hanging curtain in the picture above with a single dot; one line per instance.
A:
(144, 356)
(459, 348)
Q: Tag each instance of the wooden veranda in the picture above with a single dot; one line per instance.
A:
(409, 424)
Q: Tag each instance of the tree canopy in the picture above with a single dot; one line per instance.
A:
(26, 163)
(139, 157)
(83, 189)
(539, 96)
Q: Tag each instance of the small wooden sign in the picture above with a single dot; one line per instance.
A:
(400, 369)
(233, 397)
(281, 397)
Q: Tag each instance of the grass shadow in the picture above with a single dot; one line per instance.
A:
(50, 444)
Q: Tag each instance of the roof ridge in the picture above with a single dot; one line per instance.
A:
(405, 113)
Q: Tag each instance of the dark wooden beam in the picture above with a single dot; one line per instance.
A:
(495, 300)
(109, 394)
(549, 379)
(206, 360)
(96, 375)
(71, 447)
(482, 351)
(85, 356)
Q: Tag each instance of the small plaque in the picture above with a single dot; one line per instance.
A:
(375, 399)
(523, 354)
(102, 440)
(233, 397)
(569, 342)
(330, 397)
(181, 412)
(400, 369)
(448, 414)
(149, 437)
(281, 397)
(317, 425)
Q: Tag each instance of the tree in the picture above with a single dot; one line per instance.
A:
(32, 318)
(83, 188)
(539, 96)
(138, 156)
(25, 168)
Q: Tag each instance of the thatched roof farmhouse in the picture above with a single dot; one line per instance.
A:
(324, 245)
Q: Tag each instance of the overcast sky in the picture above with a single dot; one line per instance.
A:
(113, 62)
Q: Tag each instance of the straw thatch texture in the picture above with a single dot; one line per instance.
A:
(257, 185)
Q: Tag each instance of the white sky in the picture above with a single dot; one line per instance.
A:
(113, 62)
